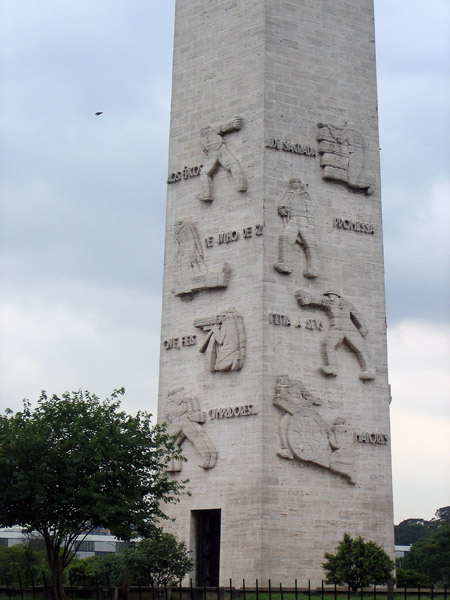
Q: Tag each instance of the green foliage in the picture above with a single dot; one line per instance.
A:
(89, 571)
(18, 560)
(357, 563)
(411, 578)
(431, 556)
(160, 557)
(411, 530)
(76, 463)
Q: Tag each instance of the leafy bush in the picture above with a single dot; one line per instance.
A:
(18, 560)
(411, 578)
(161, 558)
(357, 564)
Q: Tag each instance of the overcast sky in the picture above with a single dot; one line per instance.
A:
(83, 201)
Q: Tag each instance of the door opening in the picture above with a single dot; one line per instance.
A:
(207, 546)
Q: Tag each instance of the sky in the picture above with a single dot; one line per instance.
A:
(82, 208)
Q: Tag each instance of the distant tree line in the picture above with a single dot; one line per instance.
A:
(428, 561)
(411, 530)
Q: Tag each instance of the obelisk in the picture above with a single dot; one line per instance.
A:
(273, 372)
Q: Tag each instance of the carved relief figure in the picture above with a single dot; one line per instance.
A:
(297, 212)
(304, 435)
(346, 325)
(185, 419)
(217, 153)
(192, 272)
(343, 156)
(225, 342)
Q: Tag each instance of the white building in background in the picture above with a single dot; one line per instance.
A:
(95, 543)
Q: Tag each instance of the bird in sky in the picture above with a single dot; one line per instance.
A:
(99, 113)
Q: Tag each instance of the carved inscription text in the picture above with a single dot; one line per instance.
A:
(232, 411)
(365, 437)
(181, 342)
(287, 146)
(225, 237)
(186, 173)
(286, 321)
(353, 225)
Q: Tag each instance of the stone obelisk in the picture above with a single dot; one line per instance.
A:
(273, 373)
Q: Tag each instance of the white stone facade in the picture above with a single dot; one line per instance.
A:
(288, 90)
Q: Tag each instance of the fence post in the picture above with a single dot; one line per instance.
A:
(418, 592)
(257, 591)
(309, 589)
(348, 592)
(97, 585)
(322, 591)
(7, 584)
(204, 589)
(231, 589)
(71, 584)
(179, 591)
(270, 590)
(20, 584)
(109, 585)
(32, 584)
(281, 591)
(432, 591)
(243, 589)
(296, 590)
(335, 591)
(192, 590)
(45, 585)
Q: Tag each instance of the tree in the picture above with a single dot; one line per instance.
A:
(431, 556)
(357, 564)
(76, 463)
(162, 557)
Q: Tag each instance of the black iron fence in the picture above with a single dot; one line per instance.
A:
(37, 586)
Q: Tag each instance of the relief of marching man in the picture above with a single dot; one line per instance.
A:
(225, 342)
(297, 212)
(218, 154)
(304, 435)
(346, 325)
(185, 419)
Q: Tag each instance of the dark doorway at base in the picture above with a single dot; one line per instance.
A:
(208, 546)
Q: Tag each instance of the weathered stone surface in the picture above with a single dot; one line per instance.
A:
(285, 66)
